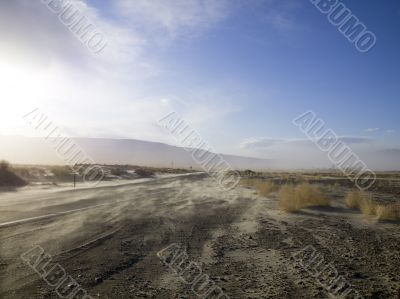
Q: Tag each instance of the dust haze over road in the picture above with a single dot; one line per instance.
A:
(107, 239)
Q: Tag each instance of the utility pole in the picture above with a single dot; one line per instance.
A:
(74, 180)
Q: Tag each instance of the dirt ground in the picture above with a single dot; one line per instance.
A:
(107, 240)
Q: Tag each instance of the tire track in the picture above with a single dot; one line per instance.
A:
(86, 246)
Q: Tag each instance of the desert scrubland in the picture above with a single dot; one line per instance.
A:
(246, 241)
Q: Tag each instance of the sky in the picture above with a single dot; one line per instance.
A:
(238, 71)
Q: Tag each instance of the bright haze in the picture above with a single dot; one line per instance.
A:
(238, 71)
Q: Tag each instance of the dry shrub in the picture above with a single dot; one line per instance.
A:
(263, 187)
(144, 173)
(354, 199)
(287, 199)
(360, 200)
(294, 198)
(357, 199)
(363, 201)
(4, 165)
(368, 207)
(8, 178)
(388, 212)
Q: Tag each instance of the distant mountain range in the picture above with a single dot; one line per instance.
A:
(25, 150)
(295, 155)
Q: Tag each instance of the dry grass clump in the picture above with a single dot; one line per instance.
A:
(388, 212)
(294, 198)
(354, 199)
(357, 199)
(287, 199)
(263, 187)
(368, 207)
(363, 201)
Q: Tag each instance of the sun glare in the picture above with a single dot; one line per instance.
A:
(20, 88)
(17, 84)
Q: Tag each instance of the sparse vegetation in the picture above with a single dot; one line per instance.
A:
(354, 199)
(287, 199)
(61, 173)
(368, 207)
(263, 187)
(249, 173)
(145, 173)
(294, 198)
(388, 212)
(357, 199)
(363, 201)
(4, 165)
(118, 171)
(8, 178)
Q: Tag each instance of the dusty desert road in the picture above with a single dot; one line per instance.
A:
(107, 239)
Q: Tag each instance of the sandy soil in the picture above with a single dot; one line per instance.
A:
(107, 239)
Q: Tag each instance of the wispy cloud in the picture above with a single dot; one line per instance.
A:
(371, 130)
(279, 14)
(114, 93)
(261, 143)
(264, 143)
(174, 17)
